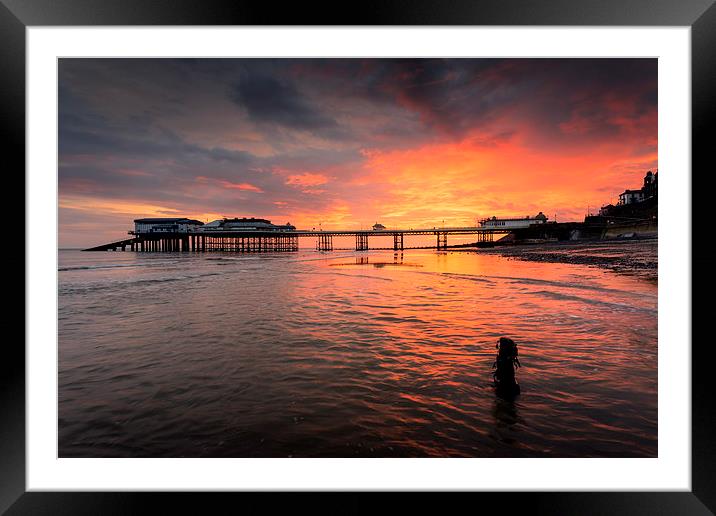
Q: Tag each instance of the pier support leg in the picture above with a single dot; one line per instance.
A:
(442, 240)
(361, 242)
(325, 243)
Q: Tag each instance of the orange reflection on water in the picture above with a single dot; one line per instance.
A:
(587, 337)
(357, 354)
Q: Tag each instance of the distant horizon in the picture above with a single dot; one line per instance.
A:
(345, 143)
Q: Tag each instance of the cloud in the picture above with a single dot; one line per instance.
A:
(306, 179)
(348, 141)
(269, 100)
(240, 186)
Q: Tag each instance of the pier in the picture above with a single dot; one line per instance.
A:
(252, 241)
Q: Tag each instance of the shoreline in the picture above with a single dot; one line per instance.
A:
(640, 261)
(593, 253)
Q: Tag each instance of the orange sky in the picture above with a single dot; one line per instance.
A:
(346, 143)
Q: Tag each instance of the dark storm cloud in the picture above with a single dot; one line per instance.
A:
(84, 132)
(403, 100)
(131, 155)
(445, 96)
(451, 95)
(270, 100)
(455, 96)
(127, 145)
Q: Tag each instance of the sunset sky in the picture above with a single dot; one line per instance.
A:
(347, 142)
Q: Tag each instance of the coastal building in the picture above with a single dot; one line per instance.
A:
(166, 225)
(650, 185)
(378, 227)
(513, 223)
(630, 196)
(605, 210)
(647, 191)
(641, 204)
(246, 224)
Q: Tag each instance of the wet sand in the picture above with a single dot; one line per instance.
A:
(635, 257)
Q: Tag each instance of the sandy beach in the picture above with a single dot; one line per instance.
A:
(637, 257)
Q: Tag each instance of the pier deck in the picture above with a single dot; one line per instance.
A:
(282, 241)
(113, 246)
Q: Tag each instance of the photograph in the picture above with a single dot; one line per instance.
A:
(357, 257)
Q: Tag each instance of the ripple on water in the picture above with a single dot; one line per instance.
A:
(241, 356)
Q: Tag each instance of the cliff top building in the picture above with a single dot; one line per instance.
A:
(647, 191)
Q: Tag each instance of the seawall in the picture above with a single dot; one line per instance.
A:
(633, 230)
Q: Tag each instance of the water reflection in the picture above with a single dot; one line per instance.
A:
(379, 263)
(506, 417)
(314, 354)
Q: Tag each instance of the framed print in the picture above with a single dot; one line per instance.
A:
(415, 250)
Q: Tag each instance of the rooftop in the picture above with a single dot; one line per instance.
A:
(167, 220)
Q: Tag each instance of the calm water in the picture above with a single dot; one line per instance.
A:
(313, 355)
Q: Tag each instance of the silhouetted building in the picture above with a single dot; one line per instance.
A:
(509, 223)
(650, 185)
(631, 196)
(246, 224)
(606, 210)
(166, 225)
(647, 191)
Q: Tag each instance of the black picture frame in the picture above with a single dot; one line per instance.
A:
(700, 15)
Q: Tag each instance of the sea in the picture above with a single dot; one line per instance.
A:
(353, 354)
